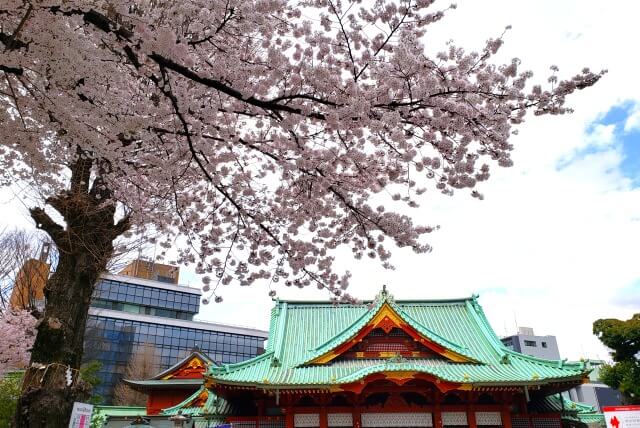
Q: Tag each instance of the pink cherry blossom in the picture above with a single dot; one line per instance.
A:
(17, 333)
(260, 131)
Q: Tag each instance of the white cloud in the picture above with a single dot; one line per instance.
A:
(601, 135)
(633, 121)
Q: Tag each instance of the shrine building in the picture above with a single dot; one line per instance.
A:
(385, 363)
(175, 384)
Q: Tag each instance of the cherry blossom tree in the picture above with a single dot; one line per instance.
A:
(266, 133)
(17, 333)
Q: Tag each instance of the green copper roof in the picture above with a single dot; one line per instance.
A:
(570, 410)
(102, 414)
(120, 410)
(367, 316)
(213, 406)
(301, 331)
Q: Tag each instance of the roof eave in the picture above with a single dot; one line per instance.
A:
(536, 382)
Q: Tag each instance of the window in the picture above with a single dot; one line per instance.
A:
(544, 344)
(531, 343)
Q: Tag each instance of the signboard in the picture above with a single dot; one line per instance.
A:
(81, 415)
(622, 416)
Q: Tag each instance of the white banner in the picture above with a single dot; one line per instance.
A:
(622, 416)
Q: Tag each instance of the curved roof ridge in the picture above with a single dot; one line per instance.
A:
(478, 315)
(562, 363)
(273, 317)
(280, 326)
(365, 317)
(463, 350)
(225, 368)
(369, 301)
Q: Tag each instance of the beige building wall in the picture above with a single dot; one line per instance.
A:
(153, 271)
(28, 291)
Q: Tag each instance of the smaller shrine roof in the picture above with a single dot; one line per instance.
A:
(203, 402)
(195, 353)
(569, 410)
(186, 373)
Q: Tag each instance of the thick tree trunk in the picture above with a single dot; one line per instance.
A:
(85, 246)
(47, 399)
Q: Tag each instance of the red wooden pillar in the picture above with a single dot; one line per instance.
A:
(324, 423)
(288, 417)
(437, 414)
(357, 422)
(471, 416)
(506, 416)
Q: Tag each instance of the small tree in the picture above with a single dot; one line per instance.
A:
(623, 338)
(9, 392)
(144, 364)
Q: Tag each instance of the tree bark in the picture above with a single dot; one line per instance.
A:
(85, 246)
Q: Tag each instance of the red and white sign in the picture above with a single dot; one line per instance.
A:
(81, 415)
(622, 416)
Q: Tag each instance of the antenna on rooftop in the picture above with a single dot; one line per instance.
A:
(44, 252)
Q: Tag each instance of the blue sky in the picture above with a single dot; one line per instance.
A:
(618, 129)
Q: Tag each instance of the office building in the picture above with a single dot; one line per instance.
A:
(526, 342)
(130, 313)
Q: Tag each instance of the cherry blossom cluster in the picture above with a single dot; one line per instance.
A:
(17, 333)
(261, 131)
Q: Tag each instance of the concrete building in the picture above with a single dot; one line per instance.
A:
(128, 314)
(595, 393)
(526, 342)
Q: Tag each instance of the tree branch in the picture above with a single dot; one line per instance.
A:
(46, 223)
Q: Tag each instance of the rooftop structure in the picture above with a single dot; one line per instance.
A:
(526, 342)
(147, 269)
